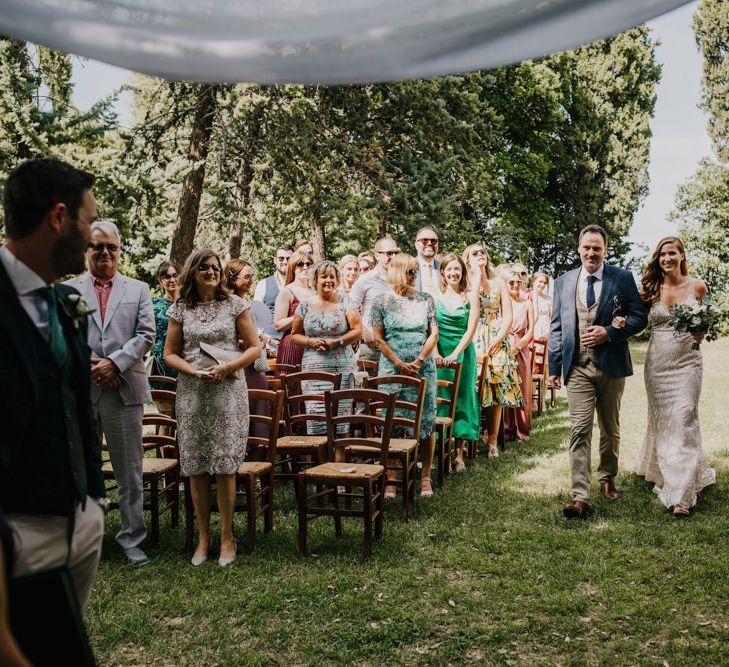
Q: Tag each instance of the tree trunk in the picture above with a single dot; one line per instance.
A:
(318, 238)
(183, 238)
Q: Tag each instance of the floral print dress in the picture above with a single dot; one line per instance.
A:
(406, 321)
(502, 373)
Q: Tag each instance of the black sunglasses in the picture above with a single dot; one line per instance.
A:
(515, 282)
(301, 265)
(478, 251)
(429, 240)
(411, 273)
(167, 276)
(389, 253)
(204, 266)
(99, 247)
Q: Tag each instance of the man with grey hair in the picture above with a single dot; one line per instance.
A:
(121, 331)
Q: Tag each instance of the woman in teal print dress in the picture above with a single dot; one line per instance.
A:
(405, 329)
(456, 310)
(492, 341)
(168, 276)
(326, 329)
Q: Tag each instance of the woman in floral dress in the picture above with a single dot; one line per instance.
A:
(325, 328)
(492, 341)
(406, 331)
(211, 404)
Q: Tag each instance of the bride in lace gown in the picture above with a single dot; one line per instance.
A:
(671, 455)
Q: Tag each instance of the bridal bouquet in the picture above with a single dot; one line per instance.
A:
(696, 318)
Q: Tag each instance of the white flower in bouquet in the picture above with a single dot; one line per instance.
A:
(700, 318)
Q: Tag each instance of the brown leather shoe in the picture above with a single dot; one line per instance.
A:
(607, 488)
(577, 509)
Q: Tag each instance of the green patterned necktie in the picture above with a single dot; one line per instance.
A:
(56, 339)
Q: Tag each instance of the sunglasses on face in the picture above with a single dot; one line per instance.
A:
(167, 277)
(389, 253)
(99, 247)
(478, 251)
(204, 266)
(432, 241)
(411, 273)
(515, 282)
(301, 265)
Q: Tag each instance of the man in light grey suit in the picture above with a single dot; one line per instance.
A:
(121, 332)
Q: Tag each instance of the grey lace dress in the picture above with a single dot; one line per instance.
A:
(212, 419)
(671, 455)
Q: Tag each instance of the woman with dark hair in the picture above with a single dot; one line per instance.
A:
(671, 455)
(168, 276)
(456, 310)
(295, 292)
(239, 277)
(492, 341)
(212, 402)
(406, 331)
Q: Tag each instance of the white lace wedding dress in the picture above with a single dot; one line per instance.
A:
(672, 456)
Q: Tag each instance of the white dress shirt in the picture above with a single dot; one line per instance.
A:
(582, 284)
(26, 281)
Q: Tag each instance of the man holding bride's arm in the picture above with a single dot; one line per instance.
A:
(594, 360)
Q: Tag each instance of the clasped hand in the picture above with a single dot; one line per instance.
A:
(410, 368)
(104, 373)
(594, 336)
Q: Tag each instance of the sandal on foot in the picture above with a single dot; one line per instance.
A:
(493, 450)
(426, 489)
(681, 512)
(459, 466)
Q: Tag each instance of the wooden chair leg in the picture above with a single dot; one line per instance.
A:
(380, 506)
(268, 500)
(251, 508)
(407, 481)
(439, 453)
(154, 508)
(301, 494)
(172, 484)
(367, 512)
(334, 499)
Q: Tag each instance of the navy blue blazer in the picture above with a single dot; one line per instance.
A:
(613, 357)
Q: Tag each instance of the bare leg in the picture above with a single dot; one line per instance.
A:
(460, 446)
(494, 421)
(428, 445)
(200, 490)
(225, 485)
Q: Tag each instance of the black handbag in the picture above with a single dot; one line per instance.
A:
(45, 617)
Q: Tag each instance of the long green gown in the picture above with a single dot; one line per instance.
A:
(451, 327)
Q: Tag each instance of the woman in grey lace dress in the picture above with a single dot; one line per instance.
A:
(212, 404)
(672, 456)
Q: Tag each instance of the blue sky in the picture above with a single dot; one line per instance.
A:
(679, 126)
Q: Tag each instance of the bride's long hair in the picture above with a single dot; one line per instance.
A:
(653, 274)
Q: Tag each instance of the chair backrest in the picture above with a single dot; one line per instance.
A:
(298, 406)
(164, 380)
(539, 357)
(282, 369)
(160, 436)
(164, 399)
(415, 408)
(482, 360)
(453, 387)
(264, 448)
(371, 410)
(367, 365)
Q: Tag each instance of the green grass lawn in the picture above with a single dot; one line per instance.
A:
(487, 571)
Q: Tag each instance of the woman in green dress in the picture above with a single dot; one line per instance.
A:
(492, 343)
(456, 310)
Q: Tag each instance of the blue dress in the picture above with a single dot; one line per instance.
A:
(161, 321)
(406, 321)
(330, 325)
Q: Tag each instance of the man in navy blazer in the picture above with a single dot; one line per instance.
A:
(594, 359)
(50, 469)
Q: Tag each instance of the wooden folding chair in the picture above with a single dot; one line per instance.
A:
(444, 426)
(539, 378)
(403, 454)
(372, 412)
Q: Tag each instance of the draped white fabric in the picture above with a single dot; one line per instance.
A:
(318, 41)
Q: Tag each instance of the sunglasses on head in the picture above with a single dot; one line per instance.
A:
(99, 247)
(204, 266)
(301, 265)
(411, 273)
(432, 241)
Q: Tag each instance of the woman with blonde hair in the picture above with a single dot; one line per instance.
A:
(542, 305)
(672, 456)
(456, 310)
(296, 291)
(212, 403)
(349, 269)
(492, 342)
(406, 332)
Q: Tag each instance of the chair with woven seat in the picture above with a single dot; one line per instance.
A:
(255, 478)
(539, 377)
(165, 381)
(164, 401)
(298, 448)
(367, 365)
(371, 412)
(445, 425)
(160, 473)
(403, 454)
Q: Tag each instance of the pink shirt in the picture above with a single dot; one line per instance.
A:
(103, 291)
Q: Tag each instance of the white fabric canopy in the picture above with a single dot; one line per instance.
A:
(318, 41)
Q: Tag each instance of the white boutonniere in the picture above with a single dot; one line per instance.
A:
(76, 308)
